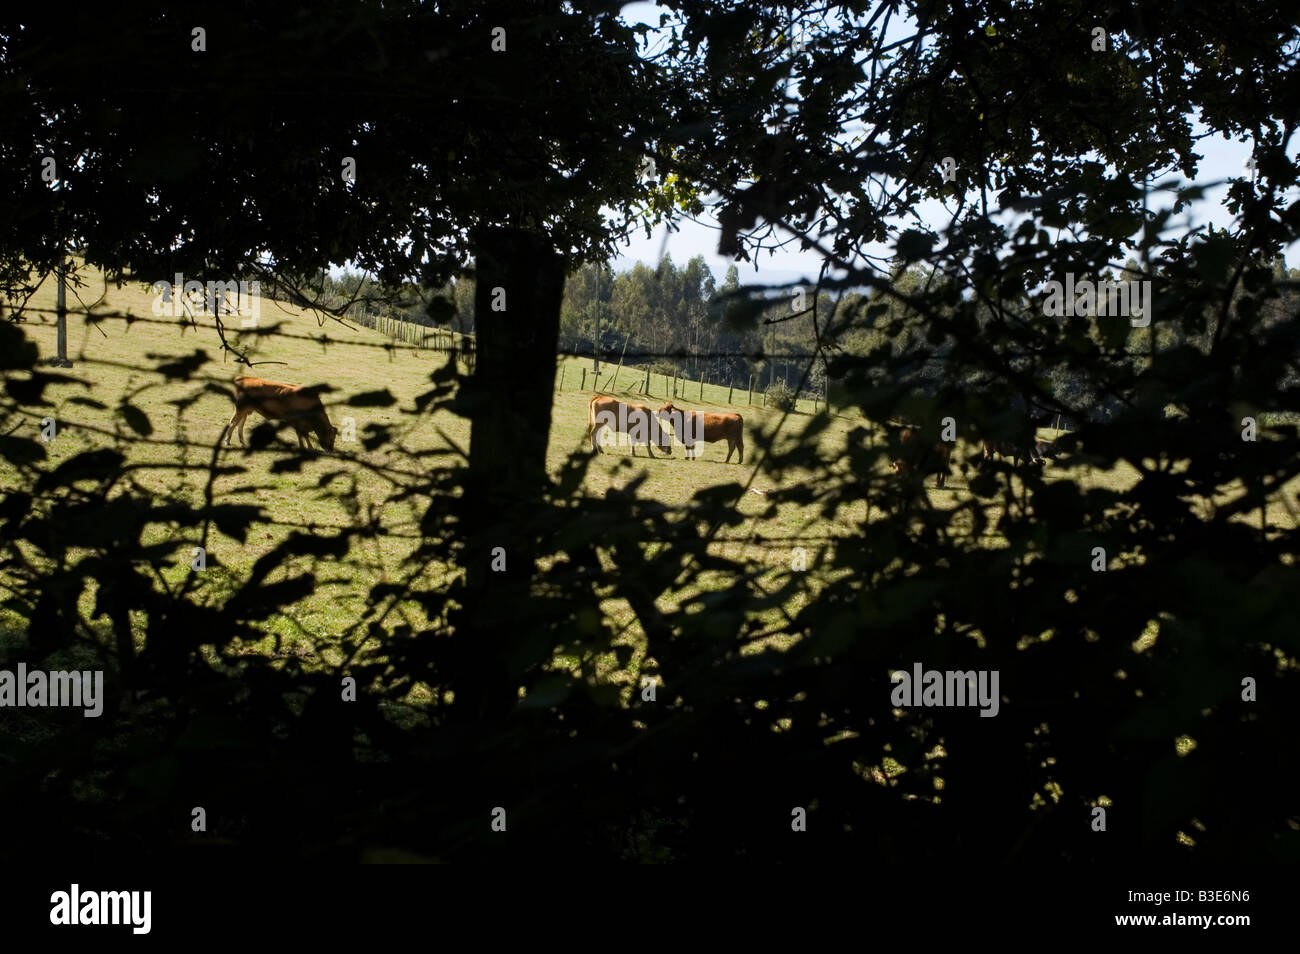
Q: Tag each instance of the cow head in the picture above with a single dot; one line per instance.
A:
(674, 417)
(326, 433)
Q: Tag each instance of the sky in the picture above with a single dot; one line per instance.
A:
(1222, 159)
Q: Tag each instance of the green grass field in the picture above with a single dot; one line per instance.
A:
(114, 358)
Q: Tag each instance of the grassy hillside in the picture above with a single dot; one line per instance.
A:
(121, 362)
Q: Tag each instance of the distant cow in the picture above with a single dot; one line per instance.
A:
(281, 402)
(637, 421)
(693, 427)
(1020, 452)
(921, 457)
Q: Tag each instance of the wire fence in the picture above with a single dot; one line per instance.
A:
(572, 370)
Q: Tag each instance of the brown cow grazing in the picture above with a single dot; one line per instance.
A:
(694, 427)
(922, 457)
(281, 402)
(635, 420)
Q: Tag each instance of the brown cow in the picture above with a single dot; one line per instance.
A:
(281, 402)
(693, 427)
(922, 457)
(634, 420)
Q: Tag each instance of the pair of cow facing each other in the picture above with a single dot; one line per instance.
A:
(922, 457)
(1036, 453)
(644, 426)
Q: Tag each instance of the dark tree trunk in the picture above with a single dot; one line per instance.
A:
(509, 404)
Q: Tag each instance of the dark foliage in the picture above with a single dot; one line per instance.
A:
(510, 162)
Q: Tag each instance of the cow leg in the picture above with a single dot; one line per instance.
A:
(740, 451)
(242, 419)
(235, 419)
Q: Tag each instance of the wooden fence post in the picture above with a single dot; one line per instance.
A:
(702, 387)
(561, 377)
(730, 388)
(61, 314)
(751, 389)
(614, 377)
(584, 379)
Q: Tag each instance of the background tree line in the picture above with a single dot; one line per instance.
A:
(673, 320)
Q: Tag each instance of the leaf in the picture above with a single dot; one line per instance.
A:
(183, 368)
(440, 310)
(90, 465)
(913, 245)
(1213, 257)
(381, 398)
(446, 372)
(28, 390)
(15, 350)
(233, 519)
(137, 419)
(21, 450)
